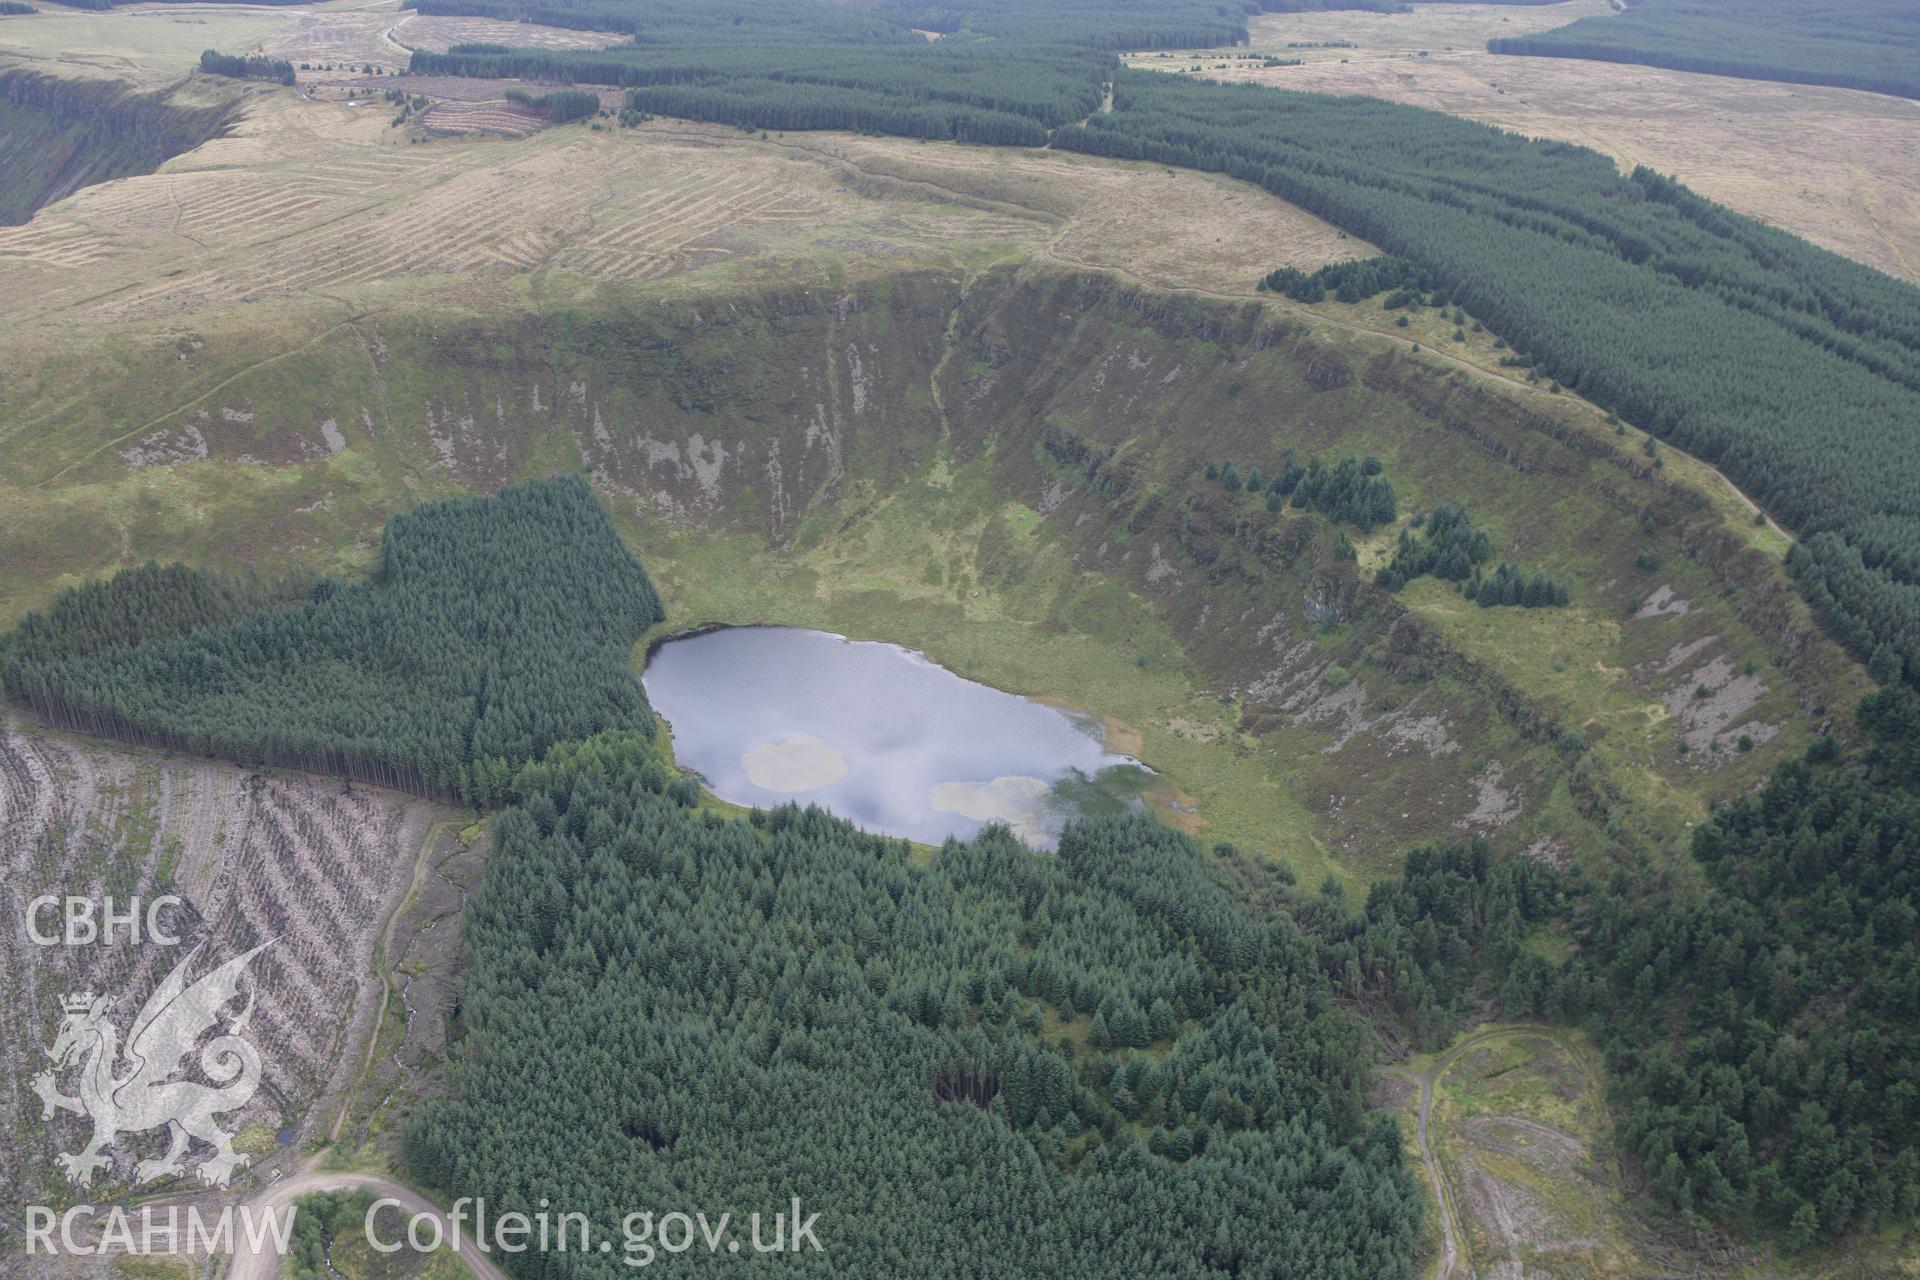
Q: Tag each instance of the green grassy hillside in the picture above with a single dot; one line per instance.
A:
(1009, 471)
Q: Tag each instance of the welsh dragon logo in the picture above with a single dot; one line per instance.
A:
(140, 1095)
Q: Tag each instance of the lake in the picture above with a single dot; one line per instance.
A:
(880, 735)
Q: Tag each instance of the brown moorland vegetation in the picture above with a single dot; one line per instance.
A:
(1840, 167)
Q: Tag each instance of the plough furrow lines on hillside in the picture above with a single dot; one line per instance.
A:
(692, 221)
(664, 212)
(280, 206)
(52, 246)
(646, 212)
(646, 247)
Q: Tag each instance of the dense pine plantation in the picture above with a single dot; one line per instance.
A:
(1855, 44)
(1793, 369)
(1790, 1092)
(139, 606)
(1765, 1036)
(495, 628)
(1108, 24)
(1133, 1057)
(1003, 73)
(786, 1004)
(247, 67)
(1012, 1064)
(973, 93)
(1033, 1040)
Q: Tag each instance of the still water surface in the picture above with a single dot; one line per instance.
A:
(880, 735)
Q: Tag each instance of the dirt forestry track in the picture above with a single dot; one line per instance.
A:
(1442, 1193)
(263, 1264)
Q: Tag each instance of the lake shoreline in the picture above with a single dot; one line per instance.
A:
(882, 734)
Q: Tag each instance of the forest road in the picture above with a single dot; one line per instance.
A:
(1452, 1248)
(248, 1263)
(385, 974)
(1442, 1193)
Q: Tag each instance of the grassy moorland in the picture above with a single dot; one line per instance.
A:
(928, 485)
(1850, 154)
(1707, 329)
(984, 402)
(1861, 44)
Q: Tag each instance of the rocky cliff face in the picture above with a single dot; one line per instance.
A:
(57, 136)
(1069, 418)
(1095, 407)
